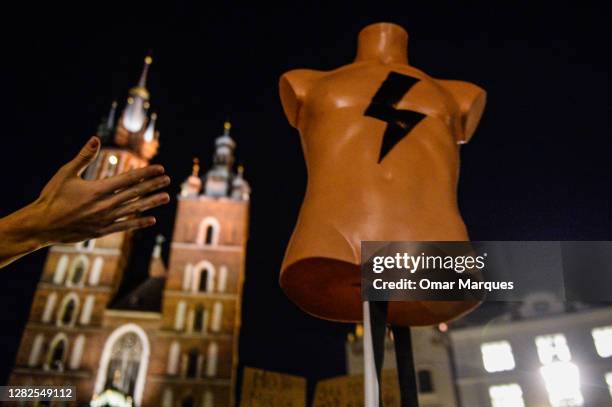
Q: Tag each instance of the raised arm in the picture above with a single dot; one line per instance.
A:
(71, 209)
(471, 100)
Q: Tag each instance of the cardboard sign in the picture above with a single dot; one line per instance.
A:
(261, 388)
(347, 391)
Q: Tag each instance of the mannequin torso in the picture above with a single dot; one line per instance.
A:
(380, 139)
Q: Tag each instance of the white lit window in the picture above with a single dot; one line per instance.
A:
(609, 381)
(497, 356)
(506, 395)
(603, 341)
(562, 380)
(552, 348)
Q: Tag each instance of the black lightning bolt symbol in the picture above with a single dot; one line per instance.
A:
(383, 107)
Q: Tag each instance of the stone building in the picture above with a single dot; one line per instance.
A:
(173, 340)
(432, 362)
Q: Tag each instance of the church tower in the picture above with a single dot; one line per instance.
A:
(61, 341)
(202, 295)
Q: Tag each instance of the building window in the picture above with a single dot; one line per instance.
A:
(37, 346)
(562, 380)
(609, 382)
(96, 271)
(208, 231)
(124, 361)
(211, 359)
(425, 381)
(217, 316)
(198, 318)
(68, 310)
(179, 318)
(222, 283)
(187, 276)
(49, 307)
(167, 397)
(506, 395)
(192, 363)
(77, 352)
(86, 244)
(203, 275)
(77, 271)
(497, 356)
(60, 270)
(57, 353)
(209, 399)
(88, 307)
(603, 341)
(552, 348)
(173, 358)
(188, 401)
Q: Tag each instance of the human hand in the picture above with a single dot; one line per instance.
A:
(71, 209)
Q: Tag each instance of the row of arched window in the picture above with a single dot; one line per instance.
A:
(73, 274)
(198, 319)
(192, 364)
(53, 355)
(68, 309)
(188, 400)
(203, 277)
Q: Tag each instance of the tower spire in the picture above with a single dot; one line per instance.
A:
(195, 169)
(110, 120)
(149, 134)
(145, 71)
(135, 112)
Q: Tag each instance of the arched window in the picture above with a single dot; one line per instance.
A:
(167, 398)
(222, 281)
(87, 310)
(216, 317)
(57, 353)
(60, 269)
(208, 231)
(96, 271)
(124, 362)
(49, 307)
(188, 401)
(211, 359)
(37, 346)
(179, 318)
(77, 352)
(68, 310)
(192, 363)
(173, 358)
(198, 318)
(86, 244)
(208, 400)
(77, 271)
(203, 277)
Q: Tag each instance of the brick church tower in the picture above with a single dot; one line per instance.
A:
(171, 341)
(201, 304)
(59, 344)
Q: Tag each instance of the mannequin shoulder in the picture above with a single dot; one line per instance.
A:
(299, 81)
(471, 100)
(293, 88)
(463, 92)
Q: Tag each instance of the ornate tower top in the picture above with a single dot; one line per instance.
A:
(193, 184)
(135, 130)
(135, 112)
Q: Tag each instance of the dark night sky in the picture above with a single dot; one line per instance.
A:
(538, 167)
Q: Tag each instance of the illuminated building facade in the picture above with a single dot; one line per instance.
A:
(173, 340)
(544, 356)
